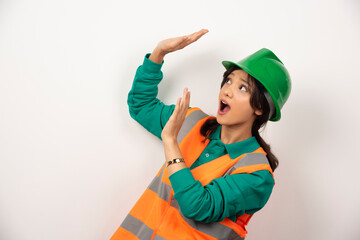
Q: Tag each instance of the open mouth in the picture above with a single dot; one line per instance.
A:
(224, 107)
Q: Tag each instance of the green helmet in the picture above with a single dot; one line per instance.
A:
(267, 68)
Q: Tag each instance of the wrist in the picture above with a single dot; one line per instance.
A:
(157, 56)
(175, 161)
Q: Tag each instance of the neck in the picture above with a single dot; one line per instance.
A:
(234, 133)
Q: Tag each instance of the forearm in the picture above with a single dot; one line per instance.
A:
(229, 196)
(145, 86)
(144, 107)
(172, 150)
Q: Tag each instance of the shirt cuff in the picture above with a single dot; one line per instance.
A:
(150, 66)
(181, 179)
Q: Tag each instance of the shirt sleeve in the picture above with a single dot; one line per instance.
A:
(144, 107)
(229, 196)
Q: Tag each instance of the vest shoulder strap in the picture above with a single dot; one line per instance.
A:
(251, 162)
(193, 115)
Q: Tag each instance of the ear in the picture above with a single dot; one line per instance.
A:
(258, 112)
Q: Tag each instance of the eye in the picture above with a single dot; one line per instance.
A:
(243, 86)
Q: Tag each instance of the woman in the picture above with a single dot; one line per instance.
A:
(218, 170)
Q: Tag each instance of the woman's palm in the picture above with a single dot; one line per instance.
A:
(173, 44)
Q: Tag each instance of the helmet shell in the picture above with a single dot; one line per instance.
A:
(267, 68)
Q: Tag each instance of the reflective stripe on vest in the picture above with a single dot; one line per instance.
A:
(192, 117)
(157, 215)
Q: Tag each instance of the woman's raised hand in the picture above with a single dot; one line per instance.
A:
(173, 44)
(176, 120)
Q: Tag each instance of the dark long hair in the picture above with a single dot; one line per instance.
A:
(257, 101)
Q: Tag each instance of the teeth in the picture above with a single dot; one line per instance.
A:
(223, 102)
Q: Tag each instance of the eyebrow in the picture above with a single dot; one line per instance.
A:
(241, 79)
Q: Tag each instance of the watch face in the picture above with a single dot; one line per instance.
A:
(176, 160)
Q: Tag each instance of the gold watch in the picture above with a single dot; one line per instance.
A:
(175, 160)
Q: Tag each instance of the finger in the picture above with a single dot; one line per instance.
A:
(186, 101)
(183, 38)
(199, 35)
(177, 106)
(200, 32)
(179, 41)
(196, 35)
(184, 98)
(192, 38)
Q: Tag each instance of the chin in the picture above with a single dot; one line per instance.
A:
(219, 120)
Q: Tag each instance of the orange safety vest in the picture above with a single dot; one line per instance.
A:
(157, 216)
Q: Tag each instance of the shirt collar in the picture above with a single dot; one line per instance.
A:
(236, 149)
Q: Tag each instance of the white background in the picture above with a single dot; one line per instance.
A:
(73, 161)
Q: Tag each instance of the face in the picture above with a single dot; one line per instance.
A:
(236, 93)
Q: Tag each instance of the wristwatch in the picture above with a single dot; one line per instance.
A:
(175, 160)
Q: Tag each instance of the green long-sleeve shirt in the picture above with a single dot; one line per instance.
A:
(229, 196)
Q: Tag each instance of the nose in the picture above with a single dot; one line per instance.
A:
(228, 91)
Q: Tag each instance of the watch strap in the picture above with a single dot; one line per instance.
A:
(175, 160)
